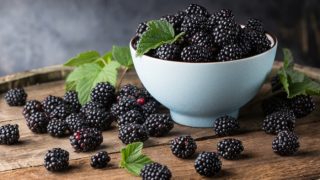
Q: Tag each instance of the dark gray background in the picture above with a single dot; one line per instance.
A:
(37, 33)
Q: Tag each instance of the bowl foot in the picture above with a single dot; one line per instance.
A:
(198, 121)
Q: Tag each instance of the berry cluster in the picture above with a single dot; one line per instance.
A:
(209, 37)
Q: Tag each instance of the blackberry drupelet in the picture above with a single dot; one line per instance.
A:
(302, 105)
(279, 121)
(225, 125)
(149, 108)
(16, 97)
(142, 27)
(76, 122)
(225, 32)
(275, 103)
(86, 139)
(192, 24)
(99, 118)
(285, 143)
(203, 39)
(208, 164)
(61, 111)
(230, 52)
(103, 93)
(255, 24)
(158, 124)
(58, 128)
(155, 171)
(71, 97)
(51, 102)
(9, 134)
(131, 132)
(168, 52)
(91, 105)
(219, 16)
(56, 159)
(38, 122)
(132, 116)
(31, 107)
(124, 105)
(100, 159)
(195, 9)
(230, 148)
(196, 54)
(183, 146)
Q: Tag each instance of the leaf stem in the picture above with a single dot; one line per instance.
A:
(123, 73)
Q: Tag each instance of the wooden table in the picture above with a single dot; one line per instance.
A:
(24, 160)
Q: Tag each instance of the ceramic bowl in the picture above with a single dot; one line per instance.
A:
(198, 93)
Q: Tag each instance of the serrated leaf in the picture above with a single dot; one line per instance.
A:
(122, 55)
(287, 59)
(107, 57)
(71, 86)
(83, 71)
(83, 58)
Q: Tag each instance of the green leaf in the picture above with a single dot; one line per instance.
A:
(107, 57)
(287, 59)
(159, 32)
(83, 58)
(132, 158)
(122, 55)
(71, 86)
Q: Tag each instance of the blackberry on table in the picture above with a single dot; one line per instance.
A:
(132, 116)
(38, 122)
(56, 159)
(131, 132)
(255, 24)
(86, 139)
(150, 108)
(142, 27)
(275, 103)
(230, 52)
(129, 90)
(16, 97)
(71, 97)
(230, 148)
(31, 107)
(302, 105)
(168, 52)
(124, 105)
(9, 134)
(155, 171)
(103, 93)
(225, 32)
(225, 125)
(208, 164)
(61, 111)
(51, 102)
(100, 159)
(196, 54)
(58, 128)
(195, 9)
(159, 124)
(203, 39)
(99, 118)
(76, 122)
(219, 16)
(279, 121)
(91, 105)
(285, 143)
(183, 146)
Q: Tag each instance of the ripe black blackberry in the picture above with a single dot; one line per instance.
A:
(230, 52)
(135, 42)
(175, 20)
(203, 39)
(129, 90)
(275, 103)
(208, 164)
(285, 143)
(159, 124)
(16, 97)
(225, 32)
(132, 116)
(259, 41)
(58, 128)
(86, 139)
(195, 9)
(131, 132)
(192, 24)
(168, 52)
(149, 108)
(302, 105)
(124, 105)
(183, 146)
(99, 118)
(219, 16)
(91, 105)
(38, 122)
(244, 43)
(51, 102)
(76, 122)
(196, 54)
(255, 24)
(230, 148)
(71, 97)
(279, 121)
(155, 171)
(142, 27)
(61, 111)
(56, 159)
(9, 134)
(103, 93)
(100, 159)
(225, 125)
(31, 107)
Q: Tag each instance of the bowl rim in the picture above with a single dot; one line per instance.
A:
(270, 36)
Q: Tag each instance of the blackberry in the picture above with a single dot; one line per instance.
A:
(100, 159)
(9, 134)
(275, 103)
(230, 148)
(131, 132)
(150, 108)
(98, 118)
(255, 24)
(135, 42)
(168, 52)
(125, 104)
(129, 90)
(38, 122)
(225, 125)
(183, 146)
(208, 164)
(196, 54)
(61, 111)
(16, 97)
(142, 27)
(51, 102)
(285, 143)
(31, 107)
(203, 39)
(155, 171)
(175, 21)
(86, 139)
(56, 159)
(71, 97)
(103, 93)
(58, 128)
(302, 105)
(259, 41)
(76, 122)
(159, 124)
(192, 24)
(91, 105)
(244, 43)
(279, 121)
(132, 116)
(230, 52)
(226, 32)
(197, 10)
(219, 16)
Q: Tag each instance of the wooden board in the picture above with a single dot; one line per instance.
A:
(24, 160)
